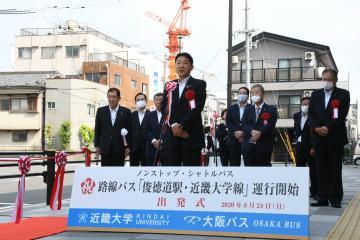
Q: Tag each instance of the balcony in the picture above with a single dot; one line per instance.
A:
(268, 75)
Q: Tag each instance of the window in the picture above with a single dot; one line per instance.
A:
(288, 105)
(19, 136)
(51, 105)
(256, 73)
(72, 51)
(117, 79)
(93, 77)
(25, 52)
(91, 109)
(290, 69)
(32, 104)
(144, 88)
(133, 83)
(19, 104)
(4, 104)
(48, 52)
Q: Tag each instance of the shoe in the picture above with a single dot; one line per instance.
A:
(319, 204)
(335, 205)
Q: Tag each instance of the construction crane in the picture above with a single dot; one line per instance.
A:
(176, 30)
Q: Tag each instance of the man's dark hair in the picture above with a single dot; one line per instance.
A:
(246, 89)
(259, 86)
(116, 90)
(223, 112)
(187, 55)
(139, 94)
(305, 98)
(332, 71)
(159, 94)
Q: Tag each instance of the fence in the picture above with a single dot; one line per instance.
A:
(40, 158)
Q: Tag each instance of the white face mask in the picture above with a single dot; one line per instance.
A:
(255, 98)
(328, 85)
(242, 98)
(140, 104)
(304, 109)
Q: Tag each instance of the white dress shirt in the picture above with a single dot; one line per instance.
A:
(159, 114)
(113, 113)
(259, 107)
(141, 115)
(302, 124)
(182, 85)
(241, 110)
(327, 97)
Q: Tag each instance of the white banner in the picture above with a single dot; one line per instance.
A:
(270, 202)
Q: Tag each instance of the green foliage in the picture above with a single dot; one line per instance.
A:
(65, 134)
(49, 136)
(86, 135)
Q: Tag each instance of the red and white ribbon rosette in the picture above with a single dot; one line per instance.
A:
(335, 104)
(24, 168)
(56, 194)
(265, 116)
(124, 132)
(190, 97)
(215, 115)
(169, 87)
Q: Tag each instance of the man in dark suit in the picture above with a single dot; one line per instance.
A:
(258, 124)
(233, 122)
(137, 154)
(152, 126)
(186, 138)
(327, 115)
(110, 121)
(304, 151)
(222, 135)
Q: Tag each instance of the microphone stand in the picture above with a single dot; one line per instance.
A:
(163, 127)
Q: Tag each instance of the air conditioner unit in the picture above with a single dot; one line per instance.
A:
(235, 59)
(307, 93)
(309, 55)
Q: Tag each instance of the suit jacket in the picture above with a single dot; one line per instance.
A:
(222, 135)
(233, 122)
(320, 116)
(138, 138)
(305, 133)
(190, 119)
(106, 134)
(152, 130)
(249, 123)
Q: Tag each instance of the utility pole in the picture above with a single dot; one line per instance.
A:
(229, 73)
(247, 46)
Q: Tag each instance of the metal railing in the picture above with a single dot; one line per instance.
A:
(98, 57)
(265, 75)
(48, 175)
(80, 30)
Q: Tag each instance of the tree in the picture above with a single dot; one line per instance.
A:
(86, 135)
(49, 136)
(65, 134)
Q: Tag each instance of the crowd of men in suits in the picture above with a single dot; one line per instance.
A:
(319, 135)
(173, 134)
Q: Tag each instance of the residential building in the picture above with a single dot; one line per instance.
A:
(65, 50)
(21, 110)
(288, 68)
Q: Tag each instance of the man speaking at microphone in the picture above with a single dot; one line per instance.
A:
(184, 100)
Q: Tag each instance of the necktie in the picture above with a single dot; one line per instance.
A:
(257, 113)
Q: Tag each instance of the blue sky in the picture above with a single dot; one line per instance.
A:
(329, 22)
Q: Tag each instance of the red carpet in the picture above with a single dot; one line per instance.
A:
(32, 228)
